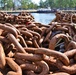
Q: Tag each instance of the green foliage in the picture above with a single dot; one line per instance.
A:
(32, 6)
(9, 4)
(24, 4)
(3, 3)
(28, 4)
(41, 3)
(62, 3)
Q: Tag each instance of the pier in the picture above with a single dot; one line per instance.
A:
(18, 11)
(29, 11)
(68, 11)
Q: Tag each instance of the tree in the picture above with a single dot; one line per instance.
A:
(28, 4)
(3, 3)
(32, 6)
(6, 4)
(25, 3)
(10, 4)
(41, 3)
(61, 3)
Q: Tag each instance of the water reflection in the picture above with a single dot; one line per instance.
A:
(44, 18)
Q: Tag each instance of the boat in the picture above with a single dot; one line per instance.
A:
(43, 10)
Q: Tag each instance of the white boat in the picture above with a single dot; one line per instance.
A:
(46, 10)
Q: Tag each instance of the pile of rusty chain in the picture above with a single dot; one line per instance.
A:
(22, 18)
(37, 49)
(65, 17)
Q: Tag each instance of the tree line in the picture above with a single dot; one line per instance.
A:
(28, 4)
(17, 4)
(62, 4)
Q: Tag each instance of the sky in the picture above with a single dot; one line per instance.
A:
(36, 1)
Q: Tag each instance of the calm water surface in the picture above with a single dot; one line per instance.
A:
(44, 18)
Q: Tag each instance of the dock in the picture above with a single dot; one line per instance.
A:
(29, 11)
(18, 11)
(68, 11)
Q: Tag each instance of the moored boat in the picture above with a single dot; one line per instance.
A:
(46, 10)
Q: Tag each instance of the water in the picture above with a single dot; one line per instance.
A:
(44, 18)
